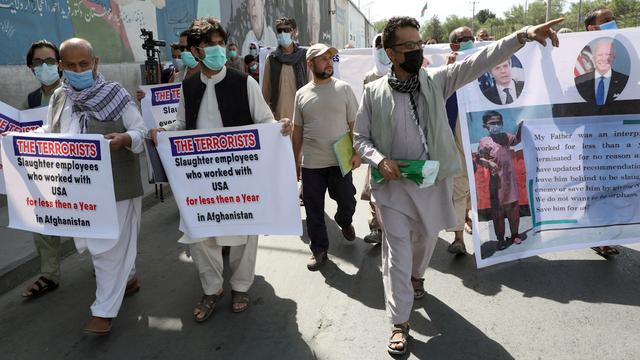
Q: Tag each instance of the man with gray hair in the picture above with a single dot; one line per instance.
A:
(88, 104)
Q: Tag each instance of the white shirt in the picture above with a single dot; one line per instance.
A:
(269, 38)
(503, 94)
(70, 124)
(209, 116)
(607, 81)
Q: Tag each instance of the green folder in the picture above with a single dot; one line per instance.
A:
(344, 152)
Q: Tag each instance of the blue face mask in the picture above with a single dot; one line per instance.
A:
(382, 57)
(253, 68)
(232, 54)
(466, 45)
(47, 74)
(215, 57)
(188, 59)
(284, 39)
(611, 25)
(253, 52)
(80, 81)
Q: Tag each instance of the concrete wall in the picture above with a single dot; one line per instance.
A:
(18, 81)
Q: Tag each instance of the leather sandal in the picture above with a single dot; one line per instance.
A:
(398, 329)
(418, 288)
(239, 298)
(206, 306)
(39, 288)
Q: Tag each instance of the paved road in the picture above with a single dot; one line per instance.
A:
(571, 305)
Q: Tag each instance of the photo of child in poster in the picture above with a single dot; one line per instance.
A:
(500, 178)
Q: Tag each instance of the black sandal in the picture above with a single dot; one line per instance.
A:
(418, 288)
(206, 305)
(399, 329)
(239, 297)
(606, 251)
(40, 287)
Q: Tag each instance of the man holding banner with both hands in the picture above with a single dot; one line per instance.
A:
(214, 98)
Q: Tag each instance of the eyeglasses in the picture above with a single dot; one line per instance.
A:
(410, 45)
(49, 61)
(465, 38)
(286, 30)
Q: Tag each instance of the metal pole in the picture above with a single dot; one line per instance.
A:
(473, 17)
(526, 7)
(548, 16)
(578, 21)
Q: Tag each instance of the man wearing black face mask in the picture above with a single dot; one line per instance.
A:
(402, 116)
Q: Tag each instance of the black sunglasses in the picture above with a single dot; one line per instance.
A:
(285, 30)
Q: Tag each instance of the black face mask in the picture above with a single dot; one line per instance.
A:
(412, 61)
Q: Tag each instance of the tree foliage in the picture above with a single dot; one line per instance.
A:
(485, 14)
(627, 14)
(379, 25)
(432, 29)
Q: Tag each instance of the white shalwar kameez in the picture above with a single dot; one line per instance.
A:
(113, 259)
(207, 252)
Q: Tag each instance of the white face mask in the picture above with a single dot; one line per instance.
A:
(47, 74)
(178, 64)
(284, 39)
(382, 57)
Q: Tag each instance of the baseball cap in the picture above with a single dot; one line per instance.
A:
(319, 49)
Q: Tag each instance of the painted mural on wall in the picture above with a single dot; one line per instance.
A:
(113, 26)
(250, 21)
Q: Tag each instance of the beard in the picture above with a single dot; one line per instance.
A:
(322, 75)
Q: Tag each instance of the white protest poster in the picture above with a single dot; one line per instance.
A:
(12, 119)
(160, 104)
(552, 145)
(232, 181)
(60, 185)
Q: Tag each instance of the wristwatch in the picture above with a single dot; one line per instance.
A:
(523, 35)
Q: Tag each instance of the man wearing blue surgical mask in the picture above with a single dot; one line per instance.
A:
(219, 97)
(601, 19)
(233, 56)
(86, 103)
(381, 66)
(285, 70)
(460, 39)
(42, 59)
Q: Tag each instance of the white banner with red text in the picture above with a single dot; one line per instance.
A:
(232, 181)
(60, 185)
